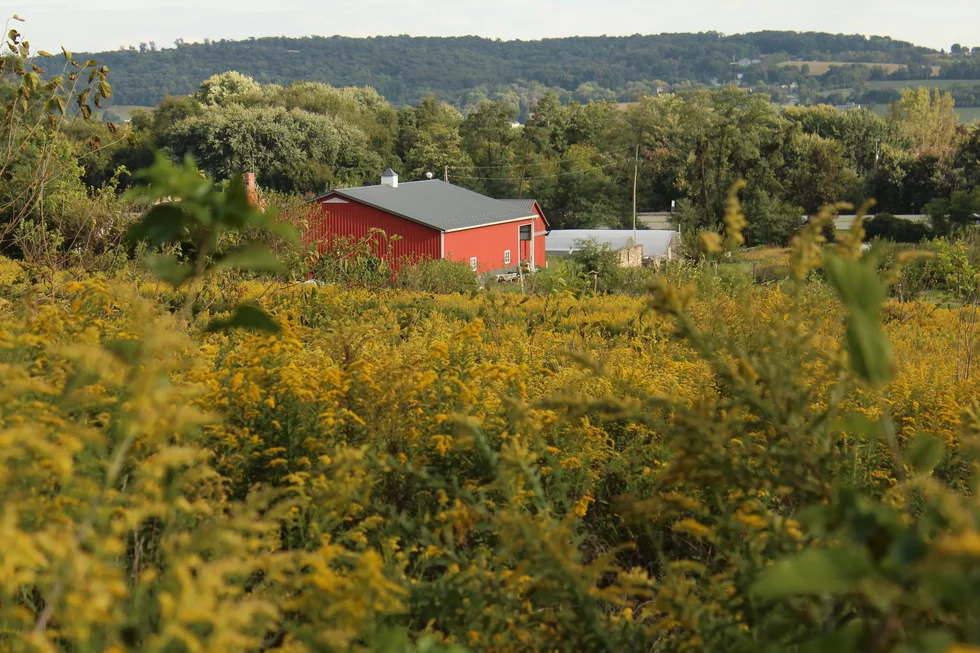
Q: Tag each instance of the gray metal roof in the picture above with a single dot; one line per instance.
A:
(524, 205)
(655, 242)
(436, 204)
(527, 205)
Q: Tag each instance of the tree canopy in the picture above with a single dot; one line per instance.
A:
(406, 69)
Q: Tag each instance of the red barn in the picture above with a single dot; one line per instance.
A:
(435, 220)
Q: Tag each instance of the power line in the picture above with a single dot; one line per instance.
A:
(559, 174)
(545, 163)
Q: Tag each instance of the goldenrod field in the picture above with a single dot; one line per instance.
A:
(398, 471)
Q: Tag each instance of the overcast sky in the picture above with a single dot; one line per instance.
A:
(107, 24)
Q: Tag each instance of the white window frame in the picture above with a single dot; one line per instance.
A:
(506, 257)
(473, 265)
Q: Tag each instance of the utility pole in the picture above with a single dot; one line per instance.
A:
(636, 173)
(446, 175)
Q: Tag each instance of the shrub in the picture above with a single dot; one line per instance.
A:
(356, 262)
(899, 230)
(437, 276)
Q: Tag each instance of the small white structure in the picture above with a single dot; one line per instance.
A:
(389, 178)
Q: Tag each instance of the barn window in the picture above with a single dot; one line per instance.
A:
(506, 257)
(473, 263)
(525, 232)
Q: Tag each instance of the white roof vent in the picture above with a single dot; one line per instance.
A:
(389, 178)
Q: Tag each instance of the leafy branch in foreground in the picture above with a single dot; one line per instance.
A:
(33, 118)
(189, 214)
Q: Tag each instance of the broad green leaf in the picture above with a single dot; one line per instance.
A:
(78, 380)
(933, 641)
(924, 452)
(44, 53)
(869, 350)
(845, 639)
(862, 293)
(164, 223)
(816, 571)
(284, 230)
(66, 53)
(254, 257)
(909, 547)
(859, 424)
(168, 269)
(124, 349)
(246, 317)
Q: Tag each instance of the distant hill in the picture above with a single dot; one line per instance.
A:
(406, 69)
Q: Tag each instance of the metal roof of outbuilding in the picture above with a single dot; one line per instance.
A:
(436, 204)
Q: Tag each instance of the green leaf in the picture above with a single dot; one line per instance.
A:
(168, 269)
(924, 452)
(105, 90)
(162, 224)
(124, 349)
(845, 639)
(78, 380)
(869, 350)
(859, 424)
(44, 53)
(66, 53)
(91, 62)
(246, 317)
(254, 257)
(862, 293)
(816, 571)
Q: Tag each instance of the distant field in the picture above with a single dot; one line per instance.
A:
(967, 114)
(898, 85)
(124, 110)
(916, 83)
(821, 67)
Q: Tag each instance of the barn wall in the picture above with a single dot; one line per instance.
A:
(540, 228)
(327, 220)
(487, 244)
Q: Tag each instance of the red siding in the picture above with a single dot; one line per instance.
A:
(487, 244)
(540, 229)
(354, 219)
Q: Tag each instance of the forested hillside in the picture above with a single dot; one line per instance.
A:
(407, 69)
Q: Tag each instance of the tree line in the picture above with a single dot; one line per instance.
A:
(686, 150)
(406, 70)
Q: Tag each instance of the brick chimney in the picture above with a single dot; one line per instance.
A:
(253, 195)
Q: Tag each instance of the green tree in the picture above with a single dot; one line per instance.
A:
(926, 120)
(217, 89)
(429, 139)
(488, 134)
(960, 210)
(289, 150)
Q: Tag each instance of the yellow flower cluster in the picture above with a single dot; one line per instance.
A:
(431, 467)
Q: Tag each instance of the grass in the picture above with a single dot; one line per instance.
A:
(899, 84)
(966, 114)
(125, 110)
(820, 67)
